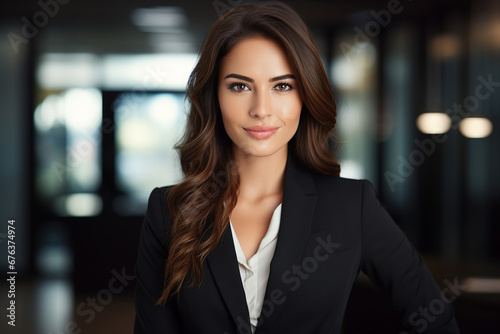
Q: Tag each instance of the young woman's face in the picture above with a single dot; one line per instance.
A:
(258, 97)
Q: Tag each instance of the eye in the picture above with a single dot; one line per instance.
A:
(283, 87)
(238, 87)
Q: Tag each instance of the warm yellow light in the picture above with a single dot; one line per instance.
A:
(444, 46)
(482, 284)
(476, 127)
(433, 123)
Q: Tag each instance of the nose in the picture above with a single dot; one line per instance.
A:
(261, 106)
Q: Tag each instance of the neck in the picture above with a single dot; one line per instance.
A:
(261, 177)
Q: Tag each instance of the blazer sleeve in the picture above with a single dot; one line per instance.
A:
(149, 271)
(392, 263)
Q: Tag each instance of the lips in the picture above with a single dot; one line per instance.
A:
(261, 132)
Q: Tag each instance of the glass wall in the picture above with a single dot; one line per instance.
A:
(147, 130)
(68, 155)
(73, 128)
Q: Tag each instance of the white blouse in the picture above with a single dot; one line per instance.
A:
(255, 272)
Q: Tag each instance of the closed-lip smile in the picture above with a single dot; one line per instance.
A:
(261, 131)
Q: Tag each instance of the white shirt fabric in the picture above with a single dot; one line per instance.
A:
(255, 272)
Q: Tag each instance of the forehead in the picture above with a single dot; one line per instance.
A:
(256, 57)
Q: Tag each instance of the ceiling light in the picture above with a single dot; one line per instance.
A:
(476, 127)
(433, 122)
(159, 19)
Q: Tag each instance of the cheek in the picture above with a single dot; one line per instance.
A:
(230, 117)
(291, 109)
(227, 108)
(226, 119)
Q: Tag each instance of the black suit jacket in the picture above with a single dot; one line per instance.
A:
(331, 228)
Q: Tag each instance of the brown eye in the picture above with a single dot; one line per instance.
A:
(283, 87)
(238, 87)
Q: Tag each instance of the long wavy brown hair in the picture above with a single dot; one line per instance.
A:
(200, 205)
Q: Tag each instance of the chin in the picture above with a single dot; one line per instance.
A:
(260, 152)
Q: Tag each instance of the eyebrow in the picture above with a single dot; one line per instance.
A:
(242, 77)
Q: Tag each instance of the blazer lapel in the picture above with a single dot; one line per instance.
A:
(299, 203)
(223, 264)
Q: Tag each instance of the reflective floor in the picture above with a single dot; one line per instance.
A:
(50, 307)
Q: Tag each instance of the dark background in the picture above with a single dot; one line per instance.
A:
(426, 56)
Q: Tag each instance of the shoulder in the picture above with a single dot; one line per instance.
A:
(157, 221)
(356, 199)
(160, 192)
(157, 202)
(158, 198)
(351, 188)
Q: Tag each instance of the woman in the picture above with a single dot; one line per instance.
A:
(262, 236)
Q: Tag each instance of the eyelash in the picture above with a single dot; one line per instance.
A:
(236, 84)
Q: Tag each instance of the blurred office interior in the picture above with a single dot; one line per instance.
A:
(92, 102)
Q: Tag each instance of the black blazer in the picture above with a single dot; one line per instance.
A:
(331, 228)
